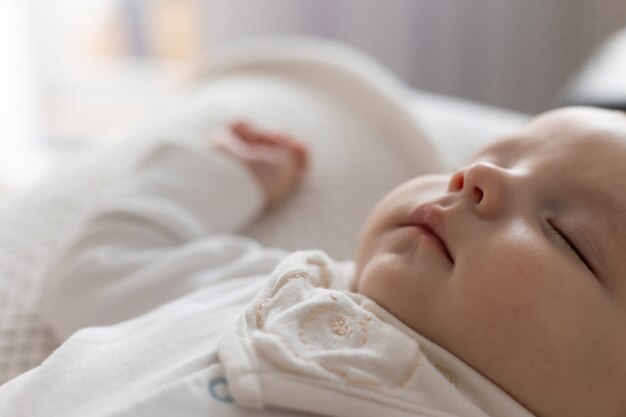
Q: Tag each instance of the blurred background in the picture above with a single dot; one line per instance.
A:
(71, 69)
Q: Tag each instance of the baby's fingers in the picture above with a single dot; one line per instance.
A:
(252, 135)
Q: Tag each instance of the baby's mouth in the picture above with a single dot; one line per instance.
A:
(429, 220)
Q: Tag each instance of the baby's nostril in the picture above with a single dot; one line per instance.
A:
(478, 194)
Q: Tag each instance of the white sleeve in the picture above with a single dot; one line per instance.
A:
(149, 237)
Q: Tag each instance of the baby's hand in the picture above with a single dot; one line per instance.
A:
(277, 161)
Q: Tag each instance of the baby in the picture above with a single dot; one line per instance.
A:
(512, 264)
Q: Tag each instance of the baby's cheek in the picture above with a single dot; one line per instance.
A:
(507, 280)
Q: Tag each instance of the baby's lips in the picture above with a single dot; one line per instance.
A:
(431, 217)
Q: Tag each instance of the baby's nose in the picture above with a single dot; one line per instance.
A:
(483, 185)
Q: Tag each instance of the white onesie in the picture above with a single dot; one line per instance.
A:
(165, 312)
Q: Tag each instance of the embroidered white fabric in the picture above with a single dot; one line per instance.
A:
(361, 134)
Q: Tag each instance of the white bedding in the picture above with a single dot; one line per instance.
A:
(359, 120)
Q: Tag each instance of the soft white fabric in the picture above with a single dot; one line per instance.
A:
(147, 268)
(146, 232)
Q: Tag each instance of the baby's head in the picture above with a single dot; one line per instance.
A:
(529, 286)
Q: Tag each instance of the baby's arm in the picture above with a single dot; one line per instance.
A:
(149, 239)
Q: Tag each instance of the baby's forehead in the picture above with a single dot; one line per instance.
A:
(581, 123)
(602, 133)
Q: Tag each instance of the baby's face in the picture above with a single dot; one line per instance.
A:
(529, 286)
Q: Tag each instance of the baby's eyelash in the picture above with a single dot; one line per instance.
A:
(569, 243)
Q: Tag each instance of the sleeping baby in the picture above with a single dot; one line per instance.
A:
(497, 290)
